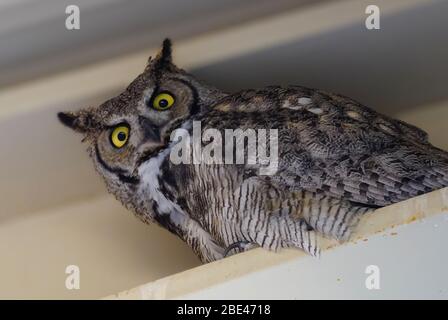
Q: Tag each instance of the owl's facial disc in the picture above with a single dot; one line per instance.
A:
(128, 129)
(123, 144)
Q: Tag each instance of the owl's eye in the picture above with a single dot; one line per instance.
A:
(163, 101)
(119, 136)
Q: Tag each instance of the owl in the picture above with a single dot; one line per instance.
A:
(336, 161)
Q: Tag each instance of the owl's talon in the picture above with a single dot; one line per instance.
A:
(241, 245)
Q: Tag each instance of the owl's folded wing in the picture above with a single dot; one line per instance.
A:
(372, 163)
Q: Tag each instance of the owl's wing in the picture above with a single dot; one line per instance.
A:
(350, 152)
(332, 145)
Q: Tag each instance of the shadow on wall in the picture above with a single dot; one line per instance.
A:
(402, 65)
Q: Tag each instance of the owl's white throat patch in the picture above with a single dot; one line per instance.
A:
(149, 173)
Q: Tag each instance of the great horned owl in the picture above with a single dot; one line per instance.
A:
(337, 160)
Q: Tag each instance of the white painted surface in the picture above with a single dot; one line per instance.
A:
(413, 263)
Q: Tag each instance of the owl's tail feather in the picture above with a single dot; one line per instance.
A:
(298, 220)
(297, 233)
(284, 231)
(331, 217)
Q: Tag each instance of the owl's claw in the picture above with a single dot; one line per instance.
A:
(240, 245)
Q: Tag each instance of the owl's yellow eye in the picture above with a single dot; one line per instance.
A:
(119, 136)
(163, 101)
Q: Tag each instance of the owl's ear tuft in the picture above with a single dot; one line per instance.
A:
(166, 51)
(68, 119)
(163, 61)
(75, 121)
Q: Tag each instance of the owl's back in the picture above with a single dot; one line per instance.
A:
(333, 145)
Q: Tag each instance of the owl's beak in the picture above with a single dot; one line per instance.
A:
(151, 143)
(150, 131)
(146, 151)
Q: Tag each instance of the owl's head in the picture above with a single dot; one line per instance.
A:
(127, 129)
